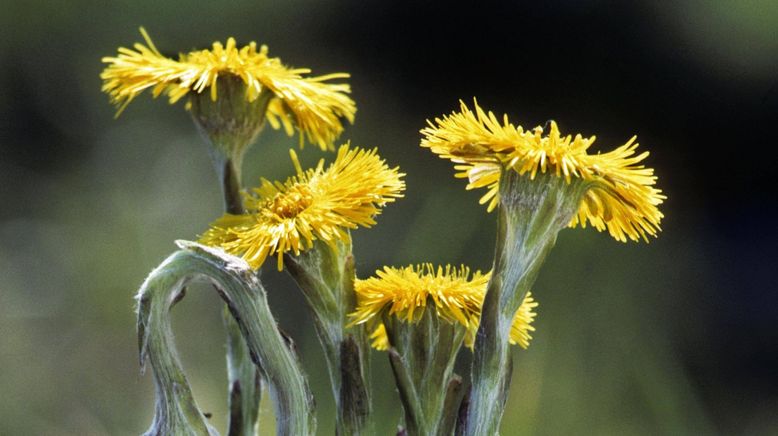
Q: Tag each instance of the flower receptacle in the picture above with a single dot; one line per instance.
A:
(422, 354)
(229, 121)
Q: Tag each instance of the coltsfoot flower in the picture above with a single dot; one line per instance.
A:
(316, 204)
(457, 295)
(421, 316)
(620, 195)
(542, 181)
(311, 103)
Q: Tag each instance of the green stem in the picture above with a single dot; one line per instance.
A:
(230, 124)
(245, 297)
(422, 358)
(531, 214)
(244, 380)
(326, 277)
(229, 175)
(175, 410)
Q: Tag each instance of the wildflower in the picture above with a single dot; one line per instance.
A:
(456, 294)
(542, 182)
(310, 215)
(619, 195)
(403, 293)
(422, 316)
(251, 84)
(316, 204)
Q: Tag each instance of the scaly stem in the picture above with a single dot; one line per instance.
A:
(531, 214)
(236, 283)
(244, 381)
(422, 358)
(175, 409)
(230, 124)
(245, 297)
(325, 275)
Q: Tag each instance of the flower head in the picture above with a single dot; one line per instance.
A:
(317, 204)
(620, 194)
(456, 295)
(313, 104)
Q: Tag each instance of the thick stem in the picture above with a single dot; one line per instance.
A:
(353, 400)
(243, 378)
(531, 214)
(422, 358)
(230, 123)
(240, 289)
(325, 275)
(176, 411)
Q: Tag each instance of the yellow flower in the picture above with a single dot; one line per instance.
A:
(620, 194)
(311, 103)
(317, 204)
(456, 294)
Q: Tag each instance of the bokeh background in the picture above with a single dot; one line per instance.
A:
(677, 336)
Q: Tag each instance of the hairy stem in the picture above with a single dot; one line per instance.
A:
(531, 214)
(422, 358)
(326, 277)
(247, 303)
(244, 380)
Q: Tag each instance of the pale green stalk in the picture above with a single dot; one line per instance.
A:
(531, 214)
(176, 412)
(230, 124)
(325, 274)
(422, 357)
(243, 377)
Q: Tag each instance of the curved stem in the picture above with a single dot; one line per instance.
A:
(247, 302)
(244, 380)
(230, 124)
(175, 410)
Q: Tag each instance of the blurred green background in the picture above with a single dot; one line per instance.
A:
(673, 337)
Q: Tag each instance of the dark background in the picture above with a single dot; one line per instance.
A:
(677, 336)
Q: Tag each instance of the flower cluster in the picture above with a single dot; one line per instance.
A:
(621, 196)
(420, 314)
(455, 293)
(316, 204)
(313, 104)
